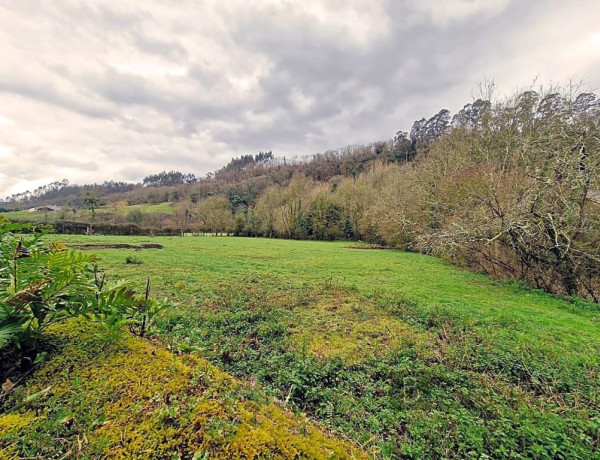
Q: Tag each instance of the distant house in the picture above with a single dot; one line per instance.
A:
(48, 208)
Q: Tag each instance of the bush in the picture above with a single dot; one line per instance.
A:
(133, 260)
(135, 216)
(39, 285)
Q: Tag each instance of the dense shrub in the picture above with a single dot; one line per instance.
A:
(515, 194)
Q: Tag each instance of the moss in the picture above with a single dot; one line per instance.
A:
(11, 426)
(355, 330)
(129, 398)
(12, 423)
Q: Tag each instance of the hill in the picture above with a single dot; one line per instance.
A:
(509, 187)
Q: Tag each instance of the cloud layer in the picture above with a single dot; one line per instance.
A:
(100, 90)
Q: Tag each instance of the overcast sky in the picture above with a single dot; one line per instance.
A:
(98, 90)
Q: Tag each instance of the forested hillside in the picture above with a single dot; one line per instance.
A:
(509, 187)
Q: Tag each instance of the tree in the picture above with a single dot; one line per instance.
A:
(168, 179)
(291, 210)
(91, 203)
(135, 216)
(402, 148)
(354, 197)
(518, 200)
(267, 209)
(472, 115)
(323, 217)
(215, 214)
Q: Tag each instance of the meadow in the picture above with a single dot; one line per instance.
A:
(85, 215)
(404, 353)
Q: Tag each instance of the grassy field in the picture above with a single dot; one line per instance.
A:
(26, 216)
(164, 208)
(84, 215)
(404, 354)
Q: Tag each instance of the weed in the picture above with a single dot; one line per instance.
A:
(133, 260)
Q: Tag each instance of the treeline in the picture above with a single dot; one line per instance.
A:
(45, 190)
(509, 187)
(250, 172)
(64, 193)
(108, 228)
(170, 178)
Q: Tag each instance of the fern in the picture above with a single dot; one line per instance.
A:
(42, 284)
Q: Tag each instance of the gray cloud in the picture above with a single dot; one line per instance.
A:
(118, 90)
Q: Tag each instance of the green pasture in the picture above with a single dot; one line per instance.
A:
(162, 208)
(84, 215)
(403, 353)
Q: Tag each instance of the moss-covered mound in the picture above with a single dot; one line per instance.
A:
(126, 397)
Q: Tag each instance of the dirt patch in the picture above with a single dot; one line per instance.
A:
(90, 246)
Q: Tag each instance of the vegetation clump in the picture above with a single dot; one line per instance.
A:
(133, 260)
(42, 284)
(403, 381)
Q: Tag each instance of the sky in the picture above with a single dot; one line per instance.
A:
(116, 90)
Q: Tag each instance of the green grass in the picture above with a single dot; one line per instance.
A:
(163, 208)
(31, 216)
(404, 353)
(84, 215)
(542, 321)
